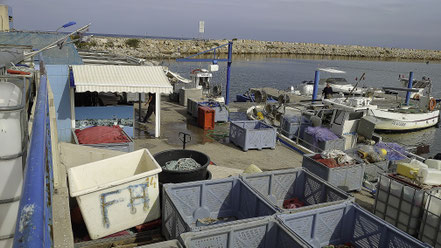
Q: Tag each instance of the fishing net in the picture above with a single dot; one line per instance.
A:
(182, 164)
(394, 151)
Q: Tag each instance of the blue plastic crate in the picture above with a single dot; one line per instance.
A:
(347, 178)
(293, 126)
(279, 185)
(252, 135)
(185, 203)
(266, 233)
(238, 116)
(347, 223)
(320, 146)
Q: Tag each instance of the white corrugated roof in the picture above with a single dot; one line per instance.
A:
(115, 78)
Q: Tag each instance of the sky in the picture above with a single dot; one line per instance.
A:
(389, 23)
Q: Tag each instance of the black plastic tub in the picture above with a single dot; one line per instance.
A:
(172, 176)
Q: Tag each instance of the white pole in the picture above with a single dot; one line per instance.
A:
(158, 115)
(72, 107)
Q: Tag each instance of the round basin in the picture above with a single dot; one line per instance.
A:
(175, 176)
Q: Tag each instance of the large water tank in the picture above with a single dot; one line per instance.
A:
(11, 166)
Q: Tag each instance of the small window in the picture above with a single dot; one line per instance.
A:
(355, 116)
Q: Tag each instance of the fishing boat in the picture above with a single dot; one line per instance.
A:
(403, 119)
(422, 114)
(341, 115)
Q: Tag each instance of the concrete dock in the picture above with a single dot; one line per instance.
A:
(215, 144)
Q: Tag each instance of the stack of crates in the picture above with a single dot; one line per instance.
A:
(247, 211)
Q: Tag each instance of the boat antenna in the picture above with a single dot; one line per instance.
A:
(355, 86)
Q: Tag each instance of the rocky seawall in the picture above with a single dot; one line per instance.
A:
(162, 49)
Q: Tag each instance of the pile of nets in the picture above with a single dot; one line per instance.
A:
(321, 133)
(101, 135)
(394, 151)
(182, 164)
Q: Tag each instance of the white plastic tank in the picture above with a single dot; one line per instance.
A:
(11, 167)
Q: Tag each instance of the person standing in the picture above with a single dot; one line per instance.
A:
(151, 108)
(327, 91)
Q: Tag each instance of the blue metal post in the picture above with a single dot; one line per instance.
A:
(30, 228)
(316, 85)
(409, 86)
(230, 59)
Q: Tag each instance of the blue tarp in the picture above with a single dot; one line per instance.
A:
(321, 133)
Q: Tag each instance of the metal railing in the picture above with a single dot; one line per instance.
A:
(34, 220)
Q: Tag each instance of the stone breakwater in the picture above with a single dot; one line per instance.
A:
(161, 48)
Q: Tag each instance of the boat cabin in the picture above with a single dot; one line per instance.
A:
(342, 116)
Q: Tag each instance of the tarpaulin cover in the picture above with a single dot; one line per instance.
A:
(101, 135)
(394, 151)
(321, 133)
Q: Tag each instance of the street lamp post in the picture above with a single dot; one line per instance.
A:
(66, 25)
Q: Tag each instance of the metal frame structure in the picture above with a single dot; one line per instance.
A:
(215, 60)
(34, 220)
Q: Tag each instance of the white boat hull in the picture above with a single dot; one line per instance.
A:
(393, 121)
(347, 88)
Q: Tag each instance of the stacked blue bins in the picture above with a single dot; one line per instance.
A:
(210, 204)
(280, 185)
(265, 233)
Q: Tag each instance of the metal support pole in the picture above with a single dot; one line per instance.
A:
(139, 108)
(409, 86)
(230, 55)
(316, 85)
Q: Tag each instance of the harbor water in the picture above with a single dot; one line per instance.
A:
(282, 72)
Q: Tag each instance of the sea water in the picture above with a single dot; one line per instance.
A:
(282, 72)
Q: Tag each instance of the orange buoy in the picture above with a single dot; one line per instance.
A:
(432, 104)
(195, 70)
(18, 72)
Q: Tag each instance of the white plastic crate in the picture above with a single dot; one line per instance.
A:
(117, 193)
(399, 203)
(430, 231)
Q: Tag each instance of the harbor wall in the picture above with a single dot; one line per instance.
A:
(163, 48)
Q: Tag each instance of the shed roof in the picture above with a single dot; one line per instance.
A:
(114, 78)
(68, 55)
